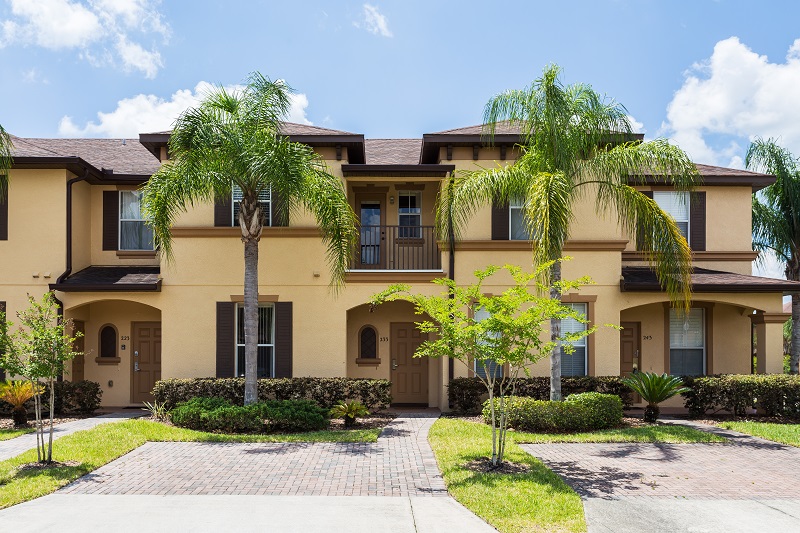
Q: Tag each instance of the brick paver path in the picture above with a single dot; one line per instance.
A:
(745, 468)
(401, 463)
(13, 447)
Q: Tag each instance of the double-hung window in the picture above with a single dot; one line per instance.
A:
(575, 364)
(484, 368)
(676, 205)
(134, 233)
(687, 342)
(410, 214)
(266, 340)
(517, 227)
(264, 200)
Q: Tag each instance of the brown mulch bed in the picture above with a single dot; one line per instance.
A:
(484, 465)
(45, 466)
(373, 421)
(7, 423)
(627, 422)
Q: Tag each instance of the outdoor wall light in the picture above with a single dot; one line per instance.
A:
(391, 199)
(110, 383)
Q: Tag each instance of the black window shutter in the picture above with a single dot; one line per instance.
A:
(697, 221)
(2, 310)
(226, 349)
(110, 220)
(500, 222)
(283, 339)
(223, 217)
(4, 212)
(280, 209)
(639, 245)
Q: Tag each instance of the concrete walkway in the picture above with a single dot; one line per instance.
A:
(292, 487)
(13, 447)
(748, 484)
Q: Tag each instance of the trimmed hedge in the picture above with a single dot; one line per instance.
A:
(774, 394)
(219, 415)
(578, 412)
(81, 397)
(326, 392)
(466, 394)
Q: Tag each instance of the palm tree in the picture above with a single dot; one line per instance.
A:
(575, 144)
(232, 139)
(776, 220)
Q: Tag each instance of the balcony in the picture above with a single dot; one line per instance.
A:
(406, 248)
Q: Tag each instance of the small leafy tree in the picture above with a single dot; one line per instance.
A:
(38, 351)
(513, 336)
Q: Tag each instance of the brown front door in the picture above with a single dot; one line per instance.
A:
(409, 373)
(145, 360)
(372, 232)
(630, 346)
(78, 346)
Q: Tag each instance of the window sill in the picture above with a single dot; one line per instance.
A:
(140, 254)
(107, 360)
(368, 362)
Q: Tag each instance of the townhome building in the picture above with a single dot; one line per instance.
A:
(72, 222)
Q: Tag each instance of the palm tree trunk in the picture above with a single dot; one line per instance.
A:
(794, 353)
(251, 226)
(555, 334)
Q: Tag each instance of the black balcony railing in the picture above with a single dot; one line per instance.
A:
(397, 248)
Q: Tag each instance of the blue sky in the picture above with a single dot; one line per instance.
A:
(710, 74)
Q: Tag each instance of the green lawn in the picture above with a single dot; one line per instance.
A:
(6, 434)
(93, 448)
(536, 501)
(660, 433)
(783, 433)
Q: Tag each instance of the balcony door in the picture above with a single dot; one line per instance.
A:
(372, 239)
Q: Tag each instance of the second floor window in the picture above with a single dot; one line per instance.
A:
(134, 233)
(675, 204)
(517, 227)
(410, 214)
(264, 199)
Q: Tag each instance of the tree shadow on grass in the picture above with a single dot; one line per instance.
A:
(59, 475)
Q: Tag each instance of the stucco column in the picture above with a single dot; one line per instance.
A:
(769, 342)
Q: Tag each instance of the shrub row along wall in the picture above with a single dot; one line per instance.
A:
(467, 394)
(373, 393)
(78, 397)
(775, 394)
(578, 412)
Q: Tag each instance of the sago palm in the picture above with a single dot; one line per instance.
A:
(776, 220)
(577, 144)
(17, 394)
(654, 389)
(232, 139)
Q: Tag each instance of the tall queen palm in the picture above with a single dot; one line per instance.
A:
(576, 144)
(232, 139)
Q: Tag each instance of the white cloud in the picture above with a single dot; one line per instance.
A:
(732, 97)
(104, 32)
(375, 22)
(636, 126)
(769, 266)
(145, 113)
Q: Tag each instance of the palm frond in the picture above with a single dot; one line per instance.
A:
(6, 151)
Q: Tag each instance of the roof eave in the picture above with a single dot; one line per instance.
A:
(421, 170)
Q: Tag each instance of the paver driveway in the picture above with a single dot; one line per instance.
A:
(748, 484)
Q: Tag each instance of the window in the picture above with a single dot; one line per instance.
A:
(368, 343)
(687, 342)
(517, 227)
(266, 341)
(108, 341)
(410, 214)
(264, 198)
(575, 364)
(484, 368)
(675, 204)
(134, 233)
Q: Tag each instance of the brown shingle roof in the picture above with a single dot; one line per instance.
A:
(112, 278)
(292, 128)
(392, 151)
(124, 156)
(710, 170)
(637, 278)
(503, 128)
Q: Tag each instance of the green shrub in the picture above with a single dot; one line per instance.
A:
(579, 412)
(292, 416)
(774, 394)
(82, 397)
(327, 392)
(466, 394)
(219, 415)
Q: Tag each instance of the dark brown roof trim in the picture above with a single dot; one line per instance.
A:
(756, 181)
(79, 166)
(641, 279)
(432, 142)
(401, 171)
(107, 287)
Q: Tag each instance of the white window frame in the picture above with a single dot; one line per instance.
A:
(261, 200)
(475, 363)
(685, 201)
(237, 344)
(516, 205)
(703, 335)
(582, 343)
(412, 231)
(120, 220)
